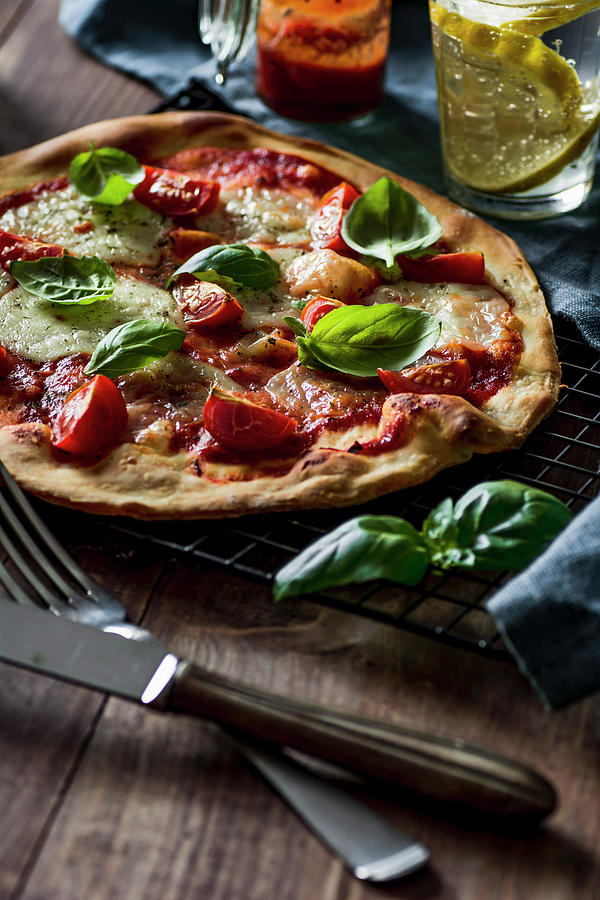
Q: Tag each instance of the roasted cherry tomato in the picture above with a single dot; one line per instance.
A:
(92, 419)
(13, 247)
(240, 424)
(326, 229)
(176, 194)
(185, 242)
(466, 267)
(316, 308)
(452, 377)
(472, 352)
(204, 304)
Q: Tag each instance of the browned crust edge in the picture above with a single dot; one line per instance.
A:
(135, 481)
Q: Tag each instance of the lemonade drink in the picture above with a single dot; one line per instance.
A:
(519, 99)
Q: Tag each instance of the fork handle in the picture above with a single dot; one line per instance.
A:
(442, 768)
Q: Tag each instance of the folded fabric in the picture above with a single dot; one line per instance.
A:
(550, 614)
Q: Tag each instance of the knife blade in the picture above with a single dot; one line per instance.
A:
(84, 655)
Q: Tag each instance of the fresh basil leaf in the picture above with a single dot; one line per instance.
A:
(248, 266)
(66, 279)
(222, 280)
(305, 357)
(387, 220)
(297, 325)
(361, 549)
(132, 346)
(106, 175)
(495, 525)
(358, 340)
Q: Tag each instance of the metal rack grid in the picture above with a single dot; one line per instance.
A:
(562, 456)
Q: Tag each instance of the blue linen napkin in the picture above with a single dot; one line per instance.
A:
(550, 614)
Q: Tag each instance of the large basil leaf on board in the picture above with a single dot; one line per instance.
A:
(132, 346)
(357, 340)
(361, 549)
(245, 266)
(106, 175)
(387, 220)
(66, 279)
(495, 525)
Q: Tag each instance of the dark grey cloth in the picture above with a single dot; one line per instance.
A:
(551, 613)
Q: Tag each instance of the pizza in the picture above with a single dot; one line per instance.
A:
(232, 321)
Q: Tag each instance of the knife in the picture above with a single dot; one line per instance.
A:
(144, 671)
(370, 847)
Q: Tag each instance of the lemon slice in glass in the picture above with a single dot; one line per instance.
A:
(552, 16)
(511, 107)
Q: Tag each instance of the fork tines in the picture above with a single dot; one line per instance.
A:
(43, 573)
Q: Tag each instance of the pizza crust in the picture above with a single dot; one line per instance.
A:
(137, 481)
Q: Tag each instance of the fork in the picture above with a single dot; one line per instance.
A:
(227, 27)
(439, 767)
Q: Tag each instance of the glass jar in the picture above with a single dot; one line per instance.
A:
(322, 60)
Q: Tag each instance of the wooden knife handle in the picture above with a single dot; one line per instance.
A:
(443, 768)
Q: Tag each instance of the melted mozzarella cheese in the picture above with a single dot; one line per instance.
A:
(260, 215)
(40, 330)
(467, 312)
(306, 392)
(169, 392)
(5, 281)
(129, 233)
(267, 308)
(330, 274)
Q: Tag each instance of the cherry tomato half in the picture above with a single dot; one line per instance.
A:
(204, 304)
(13, 247)
(92, 418)
(316, 308)
(242, 425)
(466, 267)
(185, 242)
(452, 377)
(176, 194)
(326, 229)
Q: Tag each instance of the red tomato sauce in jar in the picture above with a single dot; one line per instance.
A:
(316, 93)
(322, 60)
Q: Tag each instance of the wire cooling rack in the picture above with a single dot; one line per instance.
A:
(562, 456)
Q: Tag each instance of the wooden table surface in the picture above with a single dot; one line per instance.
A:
(101, 799)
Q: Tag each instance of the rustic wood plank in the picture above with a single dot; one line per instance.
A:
(44, 725)
(48, 85)
(11, 13)
(176, 814)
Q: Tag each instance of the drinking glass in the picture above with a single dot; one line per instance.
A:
(519, 99)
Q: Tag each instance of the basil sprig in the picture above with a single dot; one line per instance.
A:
(358, 340)
(66, 279)
(243, 266)
(132, 346)
(495, 525)
(106, 175)
(387, 220)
